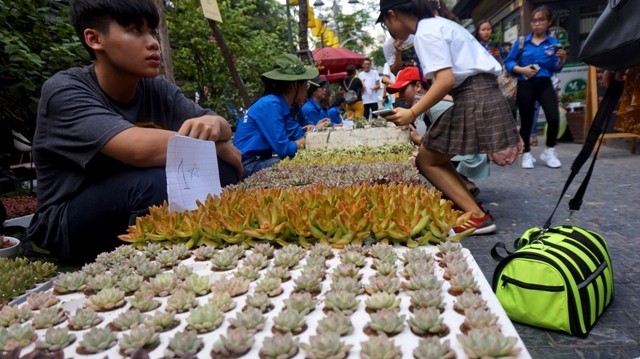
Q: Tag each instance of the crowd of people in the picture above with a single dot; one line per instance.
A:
(102, 130)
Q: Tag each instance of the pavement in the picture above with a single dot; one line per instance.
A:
(520, 199)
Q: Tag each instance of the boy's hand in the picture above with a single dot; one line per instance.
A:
(226, 151)
(208, 128)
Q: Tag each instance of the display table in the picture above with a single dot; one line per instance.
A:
(352, 137)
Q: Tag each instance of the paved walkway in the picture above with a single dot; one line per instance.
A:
(520, 199)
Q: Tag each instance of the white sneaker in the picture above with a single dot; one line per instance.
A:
(527, 160)
(550, 157)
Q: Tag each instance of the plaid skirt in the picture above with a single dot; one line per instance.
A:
(480, 120)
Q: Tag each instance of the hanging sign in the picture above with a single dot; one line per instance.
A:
(211, 10)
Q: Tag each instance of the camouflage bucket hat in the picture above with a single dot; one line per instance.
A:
(289, 68)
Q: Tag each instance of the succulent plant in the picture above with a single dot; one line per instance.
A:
(342, 301)
(55, 339)
(237, 342)
(100, 281)
(289, 320)
(380, 249)
(129, 319)
(433, 348)
(425, 282)
(385, 269)
(414, 255)
(139, 337)
(265, 249)
(488, 343)
(124, 250)
(97, 340)
(449, 257)
(323, 250)
(70, 282)
(279, 346)
(316, 261)
(48, 317)
(308, 283)
(167, 258)
(456, 267)
(136, 259)
(199, 285)
(356, 247)
(163, 284)
(256, 260)
(41, 300)
(12, 314)
(427, 299)
(355, 258)
(106, 299)
(182, 272)
(418, 268)
(16, 336)
(143, 300)
(270, 286)
(382, 284)
(149, 269)
(382, 300)
(463, 282)
(42, 271)
(205, 318)
(130, 283)
(448, 246)
(181, 250)
(84, 318)
(326, 345)
(204, 253)
(234, 286)
(181, 301)
(469, 300)
(222, 301)
(251, 319)
(223, 261)
(478, 318)
(346, 270)
(387, 321)
(279, 272)
(427, 321)
(248, 272)
(236, 250)
(283, 259)
(184, 344)
(335, 322)
(162, 321)
(152, 249)
(122, 271)
(295, 250)
(92, 269)
(302, 302)
(348, 284)
(314, 270)
(259, 301)
(379, 347)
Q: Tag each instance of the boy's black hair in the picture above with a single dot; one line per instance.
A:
(425, 9)
(351, 70)
(97, 14)
(276, 87)
(338, 100)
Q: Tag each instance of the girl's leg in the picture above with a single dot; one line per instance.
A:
(534, 126)
(549, 102)
(526, 100)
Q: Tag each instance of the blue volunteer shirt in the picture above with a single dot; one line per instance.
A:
(313, 112)
(266, 128)
(543, 54)
(334, 115)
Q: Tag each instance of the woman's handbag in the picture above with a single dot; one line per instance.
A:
(614, 41)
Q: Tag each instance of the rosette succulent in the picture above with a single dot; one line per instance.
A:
(427, 299)
(321, 250)
(106, 299)
(236, 250)
(456, 267)
(97, 340)
(149, 269)
(12, 314)
(346, 270)
(223, 261)
(478, 318)
(234, 286)
(204, 253)
(424, 282)
(382, 300)
(449, 257)
(181, 250)
(84, 318)
(182, 272)
(237, 342)
(427, 321)
(130, 283)
(55, 339)
(335, 322)
(382, 284)
(326, 345)
(124, 250)
(302, 302)
(100, 281)
(418, 268)
(289, 320)
(279, 346)
(161, 321)
(16, 336)
(355, 258)
(129, 319)
(181, 301)
(223, 301)
(247, 272)
(92, 269)
(251, 319)
(205, 318)
(316, 262)
(385, 269)
(279, 272)
(163, 284)
(342, 301)
(270, 286)
(259, 301)
(167, 258)
(308, 283)
(348, 284)
(355, 247)
(433, 348)
(463, 282)
(48, 317)
(379, 347)
(296, 251)
(448, 246)
(265, 249)
(488, 343)
(122, 271)
(136, 259)
(314, 270)
(70, 282)
(143, 300)
(197, 284)
(380, 249)
(387, 321)
(183, 344)
(414, 255)
(256, 260)
(41, 300)
(283, 259)
(469, 300)
(139, 337)
(152, 249)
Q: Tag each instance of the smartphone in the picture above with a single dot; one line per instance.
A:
(384, 113)
(535, 67)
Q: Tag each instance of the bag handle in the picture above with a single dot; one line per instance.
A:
(497, 256)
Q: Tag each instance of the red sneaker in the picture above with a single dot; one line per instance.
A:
(483, 225)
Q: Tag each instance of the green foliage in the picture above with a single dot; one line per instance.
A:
(36, 41)
(18, 275)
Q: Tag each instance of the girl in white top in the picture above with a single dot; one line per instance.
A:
(480, 120)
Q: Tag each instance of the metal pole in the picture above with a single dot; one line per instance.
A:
(289, 27)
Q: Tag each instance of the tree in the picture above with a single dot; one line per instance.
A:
(163, 38)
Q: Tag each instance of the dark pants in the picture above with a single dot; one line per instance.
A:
(369, 107)
(540, 89)
(105, 209)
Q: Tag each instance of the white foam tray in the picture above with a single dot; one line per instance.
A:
(406, 340)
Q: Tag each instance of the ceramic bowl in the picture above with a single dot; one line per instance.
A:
(10, 251)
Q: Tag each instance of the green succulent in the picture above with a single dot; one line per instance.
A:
(124, 250)
(314, 270)
(237, 342)
(283, 259)
(382, 284)
(427, 321)
(316, 261)
(106, 299)
(163, 284)
(205, 318)
(41, 300)
(469, 300)
(426, 299)
(181, 250)
(448, 246)
(289, 320)
(197, 284)
(236, 250)
(344, 270)
(256, 260)
(387, 321)
(270, 286)
(449, 257)
(129, 319)
(382, 300)
(379, 347)
(478, 318)
(223, 301)
(48, 317)
(84, 318)
(347, 284)
(488, 343)
(149, 269)
(234, 286)
(56, 339)
(355, 258)
(182, 272)
(355, 247)
(415, 255)
(204, 253)
(223, 261)
(12, 314)
(42, 271)
(70, 282)
(248, 272)
(122, 271)
(130, 283)
(457, 267)
(181, 301)
(279, 346)
(418, 268)
(167, 258)
(295, 250)
(136, 259)
(139, 337)
(326, 345)
(278, 272)
(323, 250)
(422, 282)
(464, 282)
(143, 300)
(183, 344)
(308, 283)
(265, 249)
(342, 301)
(302, 302)
(251, 319)
(92, 269)
(97, 340)
(100, 281)
(16, 336)
(335, 322)
(161, 321)
(433, 348)
(385, 269)
(152, 249)
(380, 250)
(259, 301)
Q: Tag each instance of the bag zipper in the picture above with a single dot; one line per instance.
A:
(547, 288)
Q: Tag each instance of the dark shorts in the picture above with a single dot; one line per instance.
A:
(480, 120)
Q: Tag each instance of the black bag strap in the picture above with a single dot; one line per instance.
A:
(598, 127)
(497, 256)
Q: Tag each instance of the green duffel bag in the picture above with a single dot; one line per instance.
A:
(560, 279)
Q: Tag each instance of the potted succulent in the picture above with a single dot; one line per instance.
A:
(326, 345)
(379, 347)
(335, 322)
(279, 346)
(184, 344)
(236, 343)
(385, 321)
(433, 348)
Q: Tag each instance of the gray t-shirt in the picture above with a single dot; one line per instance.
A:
(75, 120)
